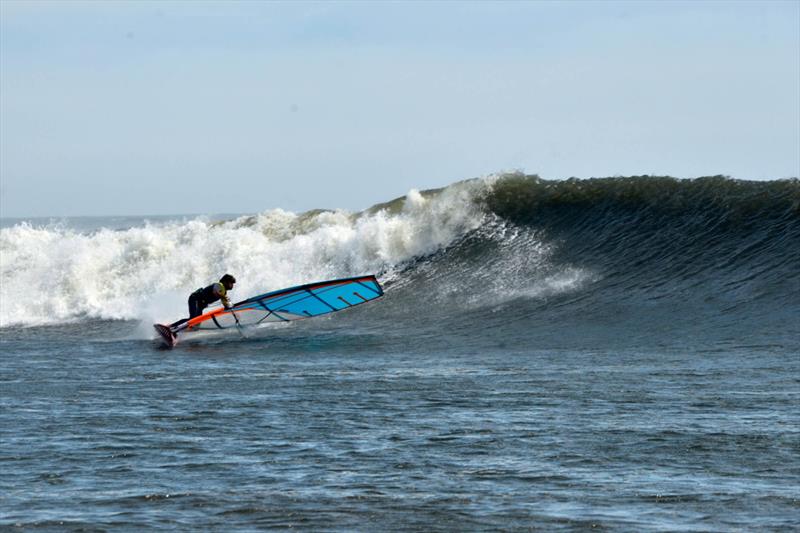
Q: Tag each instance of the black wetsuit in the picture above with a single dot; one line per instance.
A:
(199, 300)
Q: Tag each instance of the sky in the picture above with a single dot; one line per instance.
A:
(150, 108)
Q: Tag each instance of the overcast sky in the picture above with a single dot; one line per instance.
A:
(115, 108)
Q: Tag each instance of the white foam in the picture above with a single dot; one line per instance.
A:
(54, 274)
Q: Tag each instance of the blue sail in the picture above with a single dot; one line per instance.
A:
(294, 303)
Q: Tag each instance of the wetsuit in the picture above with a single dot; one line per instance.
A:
(201, 298)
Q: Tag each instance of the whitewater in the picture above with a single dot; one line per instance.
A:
(53, 273)
(617, 353)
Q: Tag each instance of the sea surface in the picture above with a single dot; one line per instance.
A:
(618, 354)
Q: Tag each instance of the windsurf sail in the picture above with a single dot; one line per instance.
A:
(294, 303)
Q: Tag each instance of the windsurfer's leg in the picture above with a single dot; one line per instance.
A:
(195, 309)
(196, 306)
(178, 323)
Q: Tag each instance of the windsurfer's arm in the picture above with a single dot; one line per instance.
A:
(220, 291)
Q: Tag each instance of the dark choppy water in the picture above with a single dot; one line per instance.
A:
(612, 362)
(347, 432)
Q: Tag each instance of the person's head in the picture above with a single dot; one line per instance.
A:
(227, 281)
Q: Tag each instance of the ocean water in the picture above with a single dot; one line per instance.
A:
(619, 354)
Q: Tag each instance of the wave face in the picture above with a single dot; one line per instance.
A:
(527, 260)
(670, 258)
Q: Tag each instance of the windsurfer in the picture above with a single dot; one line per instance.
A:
(201, 298)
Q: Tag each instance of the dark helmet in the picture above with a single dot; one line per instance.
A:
(227, 278)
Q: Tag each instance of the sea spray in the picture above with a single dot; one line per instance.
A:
(54, 274)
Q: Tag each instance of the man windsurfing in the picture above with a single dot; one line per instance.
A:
(284, 305)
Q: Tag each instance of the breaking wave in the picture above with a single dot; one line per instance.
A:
(650, 253)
